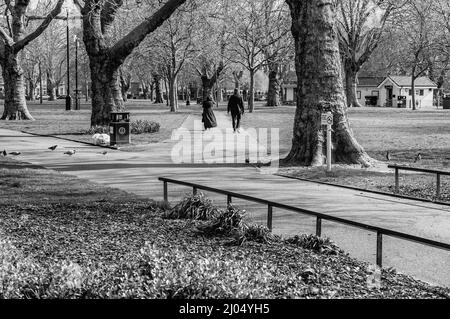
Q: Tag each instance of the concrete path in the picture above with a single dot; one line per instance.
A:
(138, 173)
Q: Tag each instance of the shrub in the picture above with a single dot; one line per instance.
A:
(144, 126)
(97, 130)
(196, 207)
(227, 222)
(230, 222)
(257, 233)
(318, 244)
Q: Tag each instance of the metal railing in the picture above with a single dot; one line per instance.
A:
(438, 173)
(319, 217)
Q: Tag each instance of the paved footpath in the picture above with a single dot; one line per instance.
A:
(138, 172)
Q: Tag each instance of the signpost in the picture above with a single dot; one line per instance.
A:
(327, 120)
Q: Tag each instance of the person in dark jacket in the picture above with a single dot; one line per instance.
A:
(208, 117)
(236, 107)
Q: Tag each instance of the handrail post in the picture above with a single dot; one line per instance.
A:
(269, 217)
(397, 182)
(379, 249)
(319, 227)
(438, 186)
(166, 197)
(194, 190)
(229, 200)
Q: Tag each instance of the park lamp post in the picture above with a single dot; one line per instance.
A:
(68, 97)
(77, 91)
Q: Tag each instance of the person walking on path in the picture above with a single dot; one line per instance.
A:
(208, 117)
(236, 107)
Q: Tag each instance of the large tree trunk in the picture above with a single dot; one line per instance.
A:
(106, 91)
(15, 107)
(273, 94)
(251, 92)
(320, 87)
(350, 87)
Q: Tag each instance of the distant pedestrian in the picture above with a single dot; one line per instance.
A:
(208, 117)
(236, 107)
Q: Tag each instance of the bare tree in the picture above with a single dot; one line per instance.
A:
(418, 29)
(280, 45)
(177, 41)
(105, 57)
(320, 86)
(255, 36)
(361, 26)
(13, 41)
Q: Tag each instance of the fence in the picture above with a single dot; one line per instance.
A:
(319, 217)
(438, 173)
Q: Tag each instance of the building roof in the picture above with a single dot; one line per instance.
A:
(403, 81)
(291, 77)
(370, 81)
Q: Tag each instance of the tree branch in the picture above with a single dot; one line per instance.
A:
(22, 43)
(6, 38)
(129, 42)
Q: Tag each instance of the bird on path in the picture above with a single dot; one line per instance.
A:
(418, 158)
(4, 153)
(104, 153)
(53, 147)
(388, 156)
(70, 153)
(15, 153)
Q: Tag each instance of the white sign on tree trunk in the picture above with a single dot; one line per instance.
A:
(327, 118)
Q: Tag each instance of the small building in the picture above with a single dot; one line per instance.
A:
(395, 91)
(290, 87)
(390, 91)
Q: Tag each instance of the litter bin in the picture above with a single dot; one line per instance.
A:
(119, 128)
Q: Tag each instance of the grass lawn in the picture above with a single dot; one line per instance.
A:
(63, 237)
(403, 132)
(52, 119)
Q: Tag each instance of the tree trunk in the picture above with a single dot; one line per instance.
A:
(151, 89)
(106, 91)
(350, 88)
(31, 89)
(219, 92)
(51, 87)
(413, 91)
(15, 107)
(158, 93)
(237, 79)
(173, 98)
(251, 92)
(273, 94)
(124, 87)
(207, 86)
(320, 87)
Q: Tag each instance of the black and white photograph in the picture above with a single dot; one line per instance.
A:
(229, 157)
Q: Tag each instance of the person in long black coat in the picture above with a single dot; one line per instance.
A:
(236, 107)
(208, 117)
